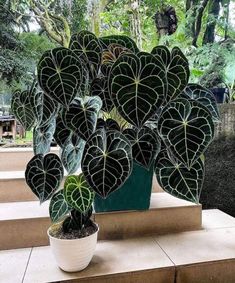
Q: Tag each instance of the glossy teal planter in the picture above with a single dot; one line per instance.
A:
(134, 194)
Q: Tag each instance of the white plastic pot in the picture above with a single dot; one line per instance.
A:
(73, 255)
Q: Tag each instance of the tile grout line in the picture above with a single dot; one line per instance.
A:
(175, 266)
(27, 265)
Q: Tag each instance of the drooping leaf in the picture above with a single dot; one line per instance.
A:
(122, 40)
(62, 133)
(87, 46)
(78, 193)
(99, 87)
(145, 145)
(107, 161)
(44, 175)
(187, 128)
(60, 74)
(204, 96)
(178, 180)
(58, 206)
(82, 114)
(42, 138)
(138, 86)
(71, 155)
(177, 70)
(21, 107)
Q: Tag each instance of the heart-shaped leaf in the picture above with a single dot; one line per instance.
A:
(177, 180)
(82, 114)
(204, 96)
(58, 206)
(137, 84)
(42, 138)
(87, 46)
(177, 70)
(21, 107)
(107, 161)
(71, 155)
(122, 40)
(44, 175)
(62, 133)
(145, 145)
(77, 193)
(187, 128)
(99, 87)
(60, 74)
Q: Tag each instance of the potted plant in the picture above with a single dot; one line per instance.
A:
(120, 115)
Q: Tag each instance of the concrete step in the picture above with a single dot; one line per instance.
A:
(16, 159)
(203, 256)
(167, 214)
(13, 187)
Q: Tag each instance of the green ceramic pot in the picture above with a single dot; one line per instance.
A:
(134, 194)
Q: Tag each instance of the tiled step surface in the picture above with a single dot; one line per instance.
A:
(167, 214)
(13, 187)
(205, 256)
(16, 159)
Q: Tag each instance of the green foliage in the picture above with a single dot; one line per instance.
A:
(146, 93)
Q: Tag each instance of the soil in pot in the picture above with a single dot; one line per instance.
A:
(57, 232)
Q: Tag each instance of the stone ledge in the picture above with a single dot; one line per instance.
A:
(167, 214)
(191, 257)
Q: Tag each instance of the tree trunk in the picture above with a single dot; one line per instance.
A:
(135, 22)
(198, 21)
(213, 14)
(166, 21)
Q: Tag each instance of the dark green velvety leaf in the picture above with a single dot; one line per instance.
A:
(177, 180)
(187, 128)
(204, 96)
(145, 145)
(163, 53)
(107, 161)
(60, 74)
(122, 40)
(176, 68)
(86, 46)
(138, 87)
(58, 207)
(82, 114)
(99, 87)
(71, 155)
(62, 133)
(44, 175)
(42, 138)
(21, 107)
(78, 193)
(108, 124)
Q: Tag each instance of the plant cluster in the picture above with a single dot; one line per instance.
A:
(168, 123)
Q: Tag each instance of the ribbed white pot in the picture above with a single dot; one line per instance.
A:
(75, 254)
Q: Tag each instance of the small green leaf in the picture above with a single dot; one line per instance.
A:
(78, 193)
(58, 206)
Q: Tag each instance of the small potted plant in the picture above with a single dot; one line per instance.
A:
(120, 115)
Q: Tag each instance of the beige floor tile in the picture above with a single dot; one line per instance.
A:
(199, 246)
(215, 218)
(111, 259)
(13, 265)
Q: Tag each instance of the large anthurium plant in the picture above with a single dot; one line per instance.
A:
(108, 105)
